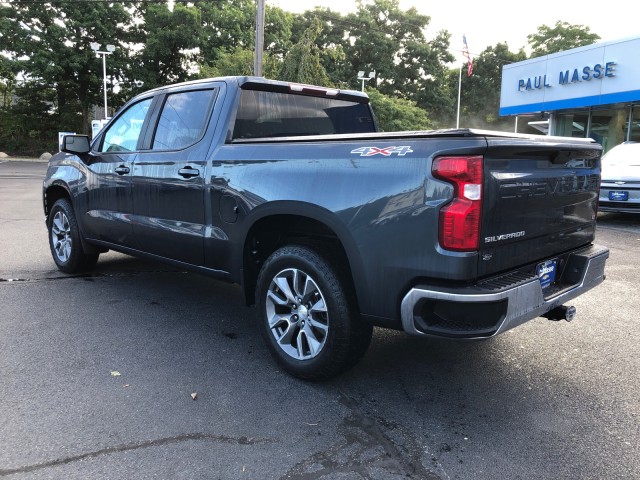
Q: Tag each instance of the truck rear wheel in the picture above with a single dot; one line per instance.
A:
(307, 314)
(64, 239)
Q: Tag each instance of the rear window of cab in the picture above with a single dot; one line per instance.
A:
(266, 114)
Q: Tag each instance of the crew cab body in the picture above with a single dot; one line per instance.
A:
(456, 233)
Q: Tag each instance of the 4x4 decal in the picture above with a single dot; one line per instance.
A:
(386, 151)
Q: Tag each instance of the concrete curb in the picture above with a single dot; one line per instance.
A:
(22, 159)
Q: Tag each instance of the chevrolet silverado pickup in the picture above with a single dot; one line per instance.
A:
(329, 226)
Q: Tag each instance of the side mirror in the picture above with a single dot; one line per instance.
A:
(76, 144)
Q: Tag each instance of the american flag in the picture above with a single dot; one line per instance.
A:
(465, 52)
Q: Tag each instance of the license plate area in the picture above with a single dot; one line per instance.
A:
(546, 272)
(618, 195)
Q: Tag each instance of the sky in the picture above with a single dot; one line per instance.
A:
(488, 22)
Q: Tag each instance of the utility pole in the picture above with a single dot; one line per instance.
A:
(257, 58)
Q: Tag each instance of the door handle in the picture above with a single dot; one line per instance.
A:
(188, 172)
(122, 170)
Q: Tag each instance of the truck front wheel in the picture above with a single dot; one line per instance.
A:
(307, 314)
(64, 239)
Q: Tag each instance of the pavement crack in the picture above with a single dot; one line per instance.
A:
(89, 276)
(136, 446)
(371, 447)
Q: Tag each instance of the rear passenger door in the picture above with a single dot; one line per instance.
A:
(169, 176)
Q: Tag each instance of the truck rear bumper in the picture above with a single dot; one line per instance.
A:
(500, 303)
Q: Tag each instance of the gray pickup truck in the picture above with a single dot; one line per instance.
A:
(329, 226)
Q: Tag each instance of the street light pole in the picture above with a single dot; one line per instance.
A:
(363, 78)
(104, 82)
(110, 49)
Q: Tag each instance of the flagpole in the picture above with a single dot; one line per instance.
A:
(459, 89)
(467, 55)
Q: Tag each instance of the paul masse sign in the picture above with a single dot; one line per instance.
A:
(583, 74)
(599, 74)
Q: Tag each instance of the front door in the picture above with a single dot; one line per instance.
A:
(106, 199)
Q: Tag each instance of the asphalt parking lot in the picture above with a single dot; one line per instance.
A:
(98, 372)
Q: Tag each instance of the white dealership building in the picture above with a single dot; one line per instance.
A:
(591, 91)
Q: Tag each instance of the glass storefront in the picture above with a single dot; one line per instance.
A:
(607, 126)
(634, 133)
(572, 125)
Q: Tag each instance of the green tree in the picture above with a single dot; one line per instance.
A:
(563, 36)
(302, 64)
(48, 44)
(430, 89)
(230, 25)
(382, 37)
(169, 41)
(277, 31)
(239, 61)
(480, 93)
(396, 114)
(7, 81)
(226, 25)
(330, 42)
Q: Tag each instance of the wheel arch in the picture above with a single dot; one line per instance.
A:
(52, 194)
(274, 225)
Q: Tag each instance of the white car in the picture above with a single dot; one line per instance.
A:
(620, 187)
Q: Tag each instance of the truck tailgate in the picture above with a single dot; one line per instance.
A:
(539, 200)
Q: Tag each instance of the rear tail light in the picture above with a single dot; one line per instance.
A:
(459, 227)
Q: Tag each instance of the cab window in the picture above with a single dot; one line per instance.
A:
(123, 133)
(273, 114)
(183, 119)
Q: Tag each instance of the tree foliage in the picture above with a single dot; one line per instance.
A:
(302, 64)
(396, 114)
(169, 41)
(239, 61)
(562, 36)
(50, 79)
(48, 45)
(230, 24)
(480, 93)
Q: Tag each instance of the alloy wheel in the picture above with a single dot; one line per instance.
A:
(61, 236)
(297, 314)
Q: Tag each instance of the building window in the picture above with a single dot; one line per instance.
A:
(635, 125)
(609, 127)
(572, 125)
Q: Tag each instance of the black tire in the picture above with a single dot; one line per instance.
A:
(64, 239)
(308, 315)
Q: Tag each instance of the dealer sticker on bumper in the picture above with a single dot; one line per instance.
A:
(547, 272)
(618, 195)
